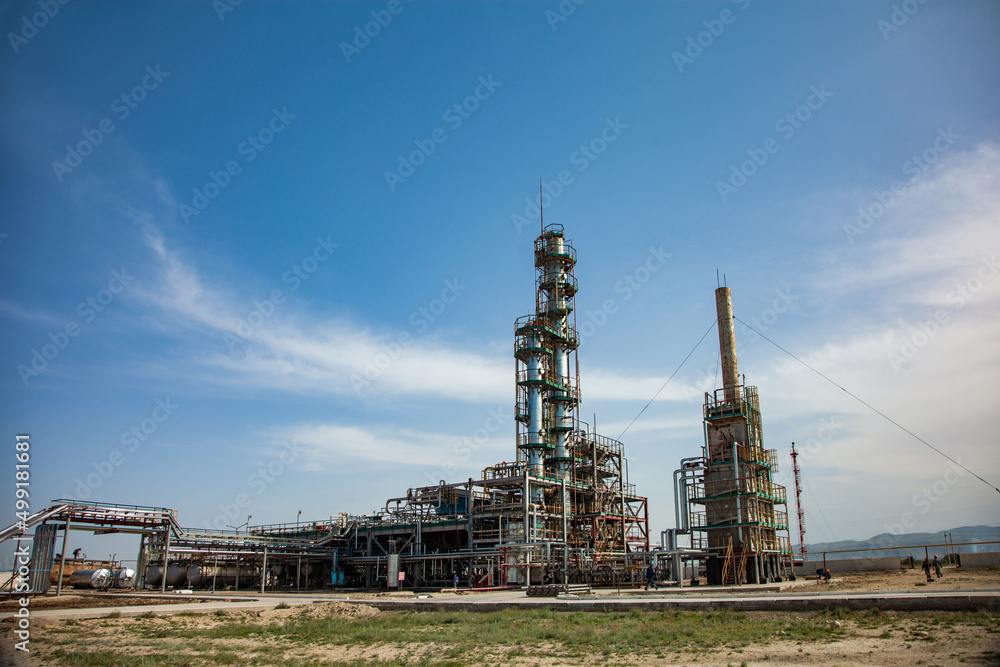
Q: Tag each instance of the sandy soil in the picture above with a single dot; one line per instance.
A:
(952, 578)
(898, 639)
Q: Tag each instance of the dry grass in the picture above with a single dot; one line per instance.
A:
(349, 634)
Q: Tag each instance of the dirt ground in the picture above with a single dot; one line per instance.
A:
(952, 578)
(902, 639)
(898, 638)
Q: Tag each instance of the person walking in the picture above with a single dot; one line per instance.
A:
(926, 566)
(455, 582)
(651, 577)
(937, 566)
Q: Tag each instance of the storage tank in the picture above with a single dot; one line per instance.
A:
(122, 577)
(201, 575)
(176, 575)
(90, 578)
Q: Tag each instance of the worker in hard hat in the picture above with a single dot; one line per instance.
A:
(937, 566)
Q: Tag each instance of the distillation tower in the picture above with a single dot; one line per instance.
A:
(726, 497)
(547, 381)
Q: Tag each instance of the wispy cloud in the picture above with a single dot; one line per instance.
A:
(15, 311)
(938, 229)
(329, 445)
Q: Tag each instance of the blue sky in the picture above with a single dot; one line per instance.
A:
(256, 238)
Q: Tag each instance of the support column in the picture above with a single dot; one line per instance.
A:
(468, 509)
(62, 558)
(263, 570)
(140, 563)
(166, 561)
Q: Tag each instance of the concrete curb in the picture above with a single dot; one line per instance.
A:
(887, 603)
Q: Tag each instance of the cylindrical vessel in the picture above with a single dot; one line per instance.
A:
(90, 578)
(122, 577)
(201, 575)
(176, 575)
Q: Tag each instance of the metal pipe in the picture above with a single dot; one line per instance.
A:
(565, 529)
(681, 519)
(736, 479)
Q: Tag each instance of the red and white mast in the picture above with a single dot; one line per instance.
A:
(798, 501)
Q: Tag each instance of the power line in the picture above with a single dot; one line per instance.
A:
(819, 507)
(669, 379)
(868, 405)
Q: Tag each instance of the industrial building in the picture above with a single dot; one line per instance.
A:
(561, 511)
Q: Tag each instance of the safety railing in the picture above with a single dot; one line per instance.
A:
(743, 486)
(748, 454)
(548, 379)
(744, 402)
(505, 470)
(534, 325)
(532, 440)
(552, 245)
(564, 283)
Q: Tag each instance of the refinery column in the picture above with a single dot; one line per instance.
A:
(555, 259)
(544, 344)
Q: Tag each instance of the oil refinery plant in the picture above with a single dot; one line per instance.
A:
(561, 512)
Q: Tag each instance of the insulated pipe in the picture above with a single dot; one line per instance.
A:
(736, 479)
(727, 342)
(536, 433)
(684, 525)
(678, 477)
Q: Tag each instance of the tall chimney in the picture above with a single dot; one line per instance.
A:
(727, 342)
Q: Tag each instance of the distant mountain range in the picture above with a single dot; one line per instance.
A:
(881, 545)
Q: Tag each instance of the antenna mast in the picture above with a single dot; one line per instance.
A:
(541, 207)
(798, 501)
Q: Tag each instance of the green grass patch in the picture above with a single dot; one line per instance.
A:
(606, 632)
(486, 638)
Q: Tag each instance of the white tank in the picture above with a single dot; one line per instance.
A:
(122, 577)
(90, 578)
